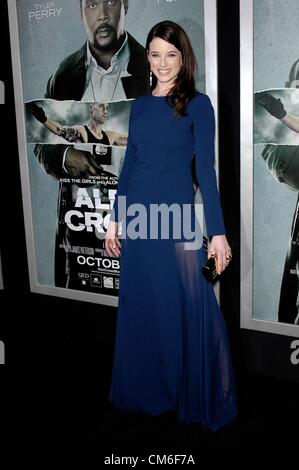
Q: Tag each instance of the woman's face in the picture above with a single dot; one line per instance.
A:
(165, 60)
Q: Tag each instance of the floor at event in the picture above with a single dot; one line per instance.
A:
(54, 395)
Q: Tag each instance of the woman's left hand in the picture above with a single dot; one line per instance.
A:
(220, 248)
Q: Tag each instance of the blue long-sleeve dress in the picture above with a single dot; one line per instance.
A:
(171, 346)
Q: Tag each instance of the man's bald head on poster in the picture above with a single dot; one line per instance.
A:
(104, 22)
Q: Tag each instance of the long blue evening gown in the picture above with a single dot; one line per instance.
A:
(171, 348)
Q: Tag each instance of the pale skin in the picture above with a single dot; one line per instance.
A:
(98, 115)
(165, 62)
(291, 121)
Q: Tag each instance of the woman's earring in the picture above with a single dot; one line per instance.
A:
(151, 78)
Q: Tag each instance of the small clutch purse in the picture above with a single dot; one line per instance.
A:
(209, 270)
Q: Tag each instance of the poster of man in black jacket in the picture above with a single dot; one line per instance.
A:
(73, 52)
(111, 65)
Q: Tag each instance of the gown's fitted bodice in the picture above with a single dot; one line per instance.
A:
(161, 146)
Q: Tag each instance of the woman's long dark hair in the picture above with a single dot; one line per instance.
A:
(184, 87)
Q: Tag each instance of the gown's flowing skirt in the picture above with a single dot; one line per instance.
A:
(171, 348)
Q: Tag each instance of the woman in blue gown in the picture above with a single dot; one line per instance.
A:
(171, 348)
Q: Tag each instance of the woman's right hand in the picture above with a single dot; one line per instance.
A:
(112, 242)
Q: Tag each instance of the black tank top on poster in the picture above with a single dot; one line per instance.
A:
(101, 154)
(91, 139)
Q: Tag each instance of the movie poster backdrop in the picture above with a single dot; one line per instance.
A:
(73, 117)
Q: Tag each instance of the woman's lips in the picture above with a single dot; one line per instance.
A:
(164, 72)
